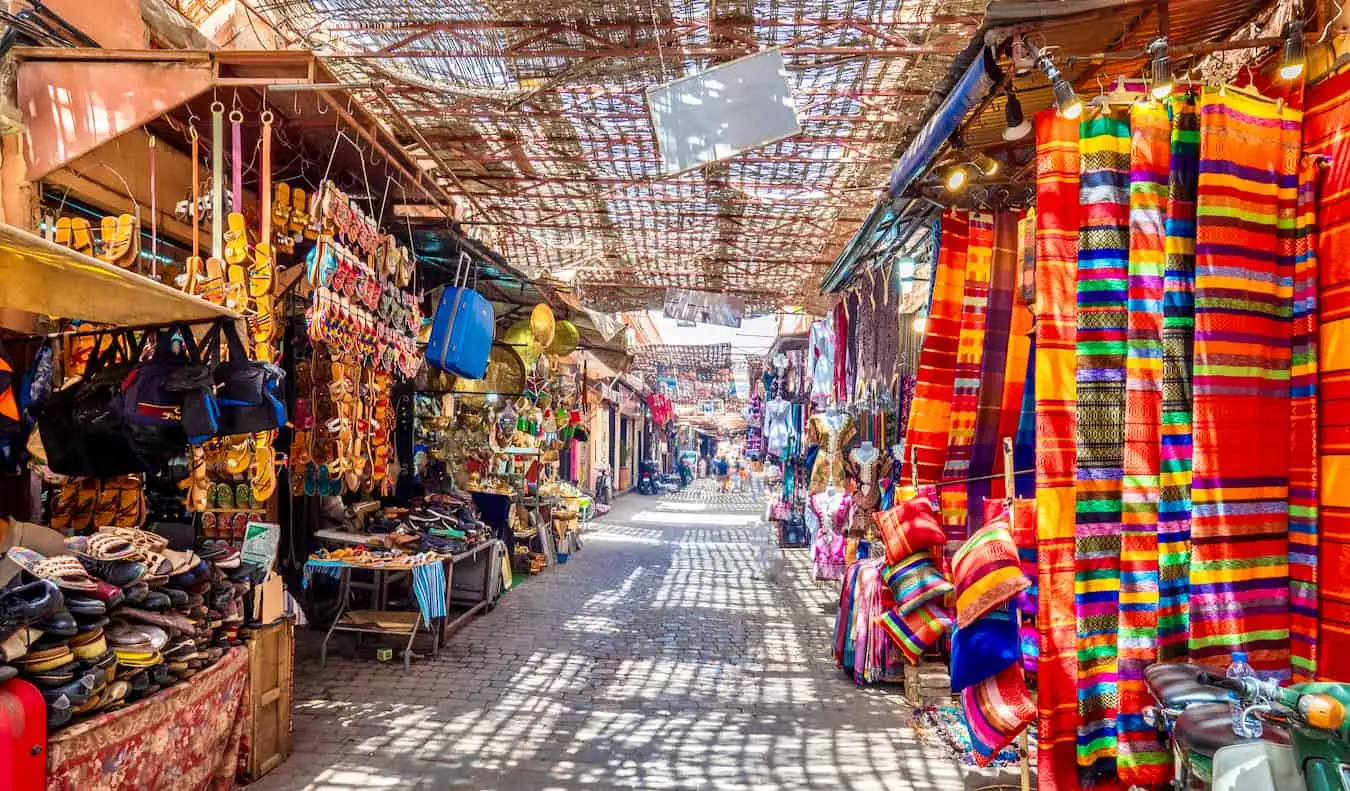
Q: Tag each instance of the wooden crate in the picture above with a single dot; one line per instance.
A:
(271, 659)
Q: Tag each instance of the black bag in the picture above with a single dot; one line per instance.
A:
(162, 394)
(82, 426)
(248, 392)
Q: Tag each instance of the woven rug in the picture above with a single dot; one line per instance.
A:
(946, 726)
(1243, 320)
(1178, 336)
(929, 416)
(1057, 210)
(1103, 244)
(966, 385)
(986, 453)
(1142, 759)
(1327, 132)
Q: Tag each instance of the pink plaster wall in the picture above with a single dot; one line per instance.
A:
(115, 24)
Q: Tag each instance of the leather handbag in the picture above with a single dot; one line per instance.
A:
(82, 425)
(248, 392)
(461, 331)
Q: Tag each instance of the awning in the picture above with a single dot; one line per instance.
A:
(46, 279)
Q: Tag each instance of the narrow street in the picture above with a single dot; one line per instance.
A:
(659, 657)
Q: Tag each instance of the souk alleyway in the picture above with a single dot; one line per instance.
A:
(659, 657)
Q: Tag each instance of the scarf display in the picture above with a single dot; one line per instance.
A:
(1142, 759)
(1015, 382)
(995, 382)
(929, 410)
(966, 384)
(1057, 218)
(861, 647)
(1103, 244)
(1178, 333)
(1024, 449)
(1327, 133)
(1243, 322)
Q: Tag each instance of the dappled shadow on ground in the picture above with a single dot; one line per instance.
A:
(656, 658)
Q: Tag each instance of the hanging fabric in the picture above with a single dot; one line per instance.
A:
(994, 379)
(1178, 336)
(1024, 448)
(1243, 321)
(966, 382)
(1103, 244)
(1057, 217)
(1326, 133)
(1142, 759)
(929, 411)
(1017, 356)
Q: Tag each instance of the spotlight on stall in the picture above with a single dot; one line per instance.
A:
(1294, 57)
(1017, 125)
(1066, 100)
(1160, 70)
(957, 178)
(987, 165)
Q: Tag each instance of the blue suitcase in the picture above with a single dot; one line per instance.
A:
(461, 330)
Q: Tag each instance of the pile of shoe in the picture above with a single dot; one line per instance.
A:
(118, 618)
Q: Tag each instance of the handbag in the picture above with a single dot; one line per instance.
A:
(82, 425)
(461, 330)
(247, 392)
(167, 399)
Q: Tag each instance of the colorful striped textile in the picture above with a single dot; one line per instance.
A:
(966, 385)
(1057, 210)
(1024, 450)
(996, 377)
(1019, 351)
(930, 408)
(1142, 759)
(1103, 262)
(1243, 319)
(1303, 577)
(1326, 133)
(1178, 336)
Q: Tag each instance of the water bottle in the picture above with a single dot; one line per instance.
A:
(1251, 727)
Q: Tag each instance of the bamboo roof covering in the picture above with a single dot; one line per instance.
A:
(535, 115)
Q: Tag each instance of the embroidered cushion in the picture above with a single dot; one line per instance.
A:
(915, 580)
(986, 572)
(918, 631)
(984, 648)
(997, 709)
(912, 526)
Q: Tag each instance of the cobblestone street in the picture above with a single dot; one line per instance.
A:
(659, 657)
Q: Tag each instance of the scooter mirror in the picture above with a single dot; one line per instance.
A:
(1322, 711)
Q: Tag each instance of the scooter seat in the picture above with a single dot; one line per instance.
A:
(1205, 728)
(1174, 685)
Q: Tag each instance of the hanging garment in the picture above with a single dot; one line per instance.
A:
(1243, 323)
(987, 445)
(821, 356)
(1016, 382)
(1142, 759)
(777, 426)
(1325, 134)
(1057, 218)
(1024, 450)
(1178, 337)
(966, 381)
(828, 547)
(843, 355)
(928, 414)
(832, 432)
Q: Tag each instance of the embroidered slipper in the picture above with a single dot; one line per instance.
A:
(224, 496)
(64, 570)
(236, 239)
(81, 236)
(102, 546)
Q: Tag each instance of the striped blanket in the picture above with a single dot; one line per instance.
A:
(1057, 210)
(1243, 320)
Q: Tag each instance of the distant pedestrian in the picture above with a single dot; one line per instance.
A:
(723, 472)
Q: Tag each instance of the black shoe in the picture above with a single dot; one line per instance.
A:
(83, 605)
(23, 605)
(60, 623)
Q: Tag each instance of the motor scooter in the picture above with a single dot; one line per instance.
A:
(1305, 742)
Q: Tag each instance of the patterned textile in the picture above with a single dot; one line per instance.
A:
(987, 572)
(912, 526)
(987, 450)
(186, 737)
(1057, 210)
(997, 709)
(1024, 450)
(1018, 369)
(1303, 576)
(918, 631)
(1178, 337)
(1103, 262)
(929, 409)
(1243, 318)
(428, 582)
(915, 580)
(1327, 133)
(1142, 759)
(966, 385)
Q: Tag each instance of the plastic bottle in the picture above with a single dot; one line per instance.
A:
(1252, 727)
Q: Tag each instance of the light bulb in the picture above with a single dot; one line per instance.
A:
(956, 178)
